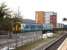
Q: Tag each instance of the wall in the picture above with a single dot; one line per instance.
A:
(47, 17)
(24, 38)
(59, 25)
(39, 17)
(53, 20)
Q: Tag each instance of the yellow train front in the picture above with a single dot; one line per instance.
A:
(16, 28)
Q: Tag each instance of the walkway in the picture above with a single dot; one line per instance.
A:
(63, 46)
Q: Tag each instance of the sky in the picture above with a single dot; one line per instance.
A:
(28, 7)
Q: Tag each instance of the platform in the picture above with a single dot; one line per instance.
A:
(63, 46)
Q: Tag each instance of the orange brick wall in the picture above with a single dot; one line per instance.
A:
(39, 17)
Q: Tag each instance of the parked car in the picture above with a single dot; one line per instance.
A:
(49, 34)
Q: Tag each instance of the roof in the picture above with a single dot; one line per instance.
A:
(28, 21)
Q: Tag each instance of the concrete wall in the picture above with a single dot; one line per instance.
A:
(23, 38)
(29, 36)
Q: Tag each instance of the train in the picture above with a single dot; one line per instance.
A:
(31, 27)
(36, 27)
(26, 27)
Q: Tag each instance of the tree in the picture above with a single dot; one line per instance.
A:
(4, 17)
(6, 21)
(4, 11)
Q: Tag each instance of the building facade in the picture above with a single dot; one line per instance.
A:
(39, 17)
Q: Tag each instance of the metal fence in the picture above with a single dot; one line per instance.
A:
(20, 39)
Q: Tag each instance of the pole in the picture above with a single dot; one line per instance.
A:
(8, 40)
(16, 37)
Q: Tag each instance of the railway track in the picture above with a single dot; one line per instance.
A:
(55, 45)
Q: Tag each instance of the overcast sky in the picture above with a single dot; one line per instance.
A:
(28, 7)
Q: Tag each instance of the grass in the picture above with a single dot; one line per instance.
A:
(31, 45)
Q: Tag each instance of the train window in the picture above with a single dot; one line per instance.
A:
(27, 26)
(32, 26)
